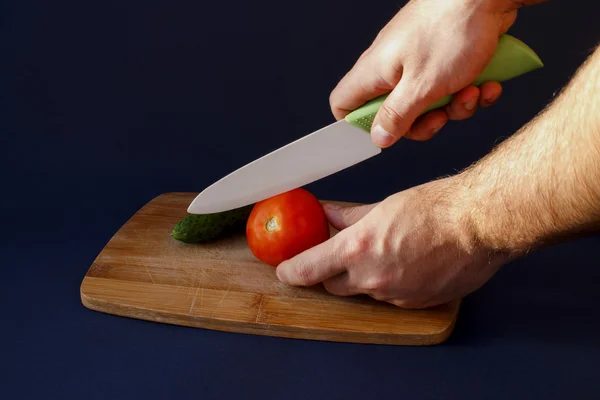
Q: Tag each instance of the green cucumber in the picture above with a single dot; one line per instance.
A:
(196, 228)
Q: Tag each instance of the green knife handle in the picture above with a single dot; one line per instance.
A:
(511, 59)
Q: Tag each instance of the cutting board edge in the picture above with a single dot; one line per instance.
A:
(144, 314)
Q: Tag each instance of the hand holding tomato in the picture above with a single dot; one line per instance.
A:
(415, 249)
(285, 225)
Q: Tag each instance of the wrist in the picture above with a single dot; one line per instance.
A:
(454, 203)
(488, 223)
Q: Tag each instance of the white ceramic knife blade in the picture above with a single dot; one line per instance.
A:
(308, 159)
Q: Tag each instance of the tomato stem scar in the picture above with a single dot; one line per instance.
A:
(271, 224)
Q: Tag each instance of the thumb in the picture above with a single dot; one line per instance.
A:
(341, 217)
(399, 111)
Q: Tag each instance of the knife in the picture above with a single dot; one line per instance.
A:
(337, 146)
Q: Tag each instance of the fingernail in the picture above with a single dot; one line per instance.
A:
(381, 137)
(470, 105)
(332, 206)
(437, 129)
(490, 101)
(279, 273)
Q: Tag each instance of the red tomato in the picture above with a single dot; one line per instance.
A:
(285, 225)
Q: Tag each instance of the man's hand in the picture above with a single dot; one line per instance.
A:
(415, 249)
(430, 49)
(444, 239)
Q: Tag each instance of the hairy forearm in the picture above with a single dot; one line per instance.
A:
(542, 185)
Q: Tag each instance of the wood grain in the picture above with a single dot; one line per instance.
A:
(144, 273)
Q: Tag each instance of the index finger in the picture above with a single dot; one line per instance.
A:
(356, 88)
(314, 265)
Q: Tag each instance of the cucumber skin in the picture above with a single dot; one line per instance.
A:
(198, 228)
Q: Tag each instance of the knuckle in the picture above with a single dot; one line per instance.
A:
(366, 53)
(388, 73)
(358, 245)
(335, 104)
(381, 82)
(390, 56)
(334, 99)
(382, 248)
(377, 283)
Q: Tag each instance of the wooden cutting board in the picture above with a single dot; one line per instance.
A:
(144, 273)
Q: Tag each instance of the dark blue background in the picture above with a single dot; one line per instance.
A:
(108, 104)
